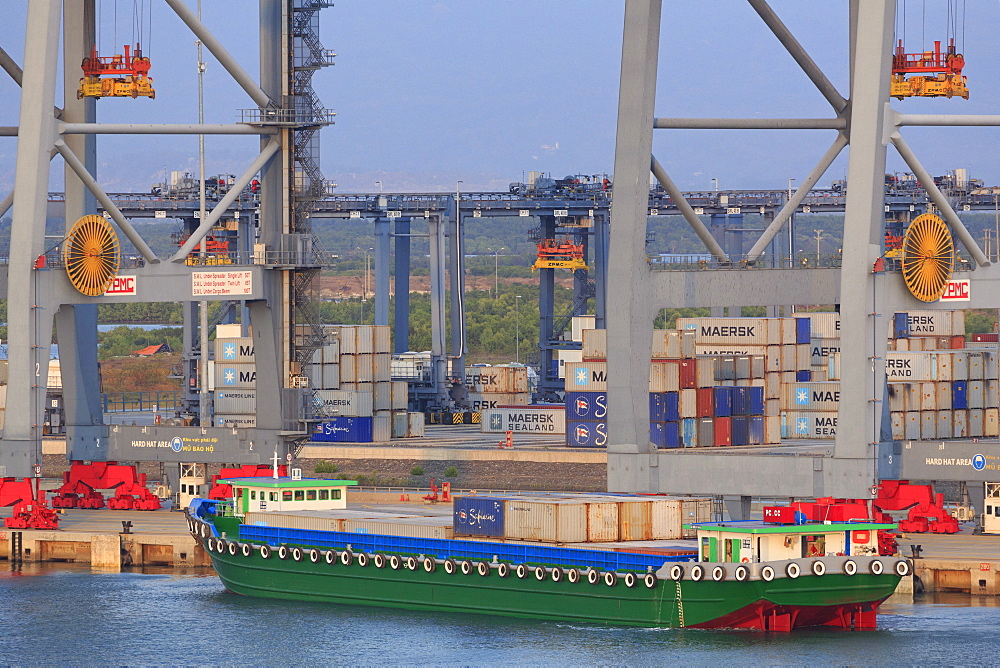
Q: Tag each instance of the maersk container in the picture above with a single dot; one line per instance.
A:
(928, 425)
(481, 401)
(755, 430)
(344, 430)
(233, 376)
(912, 425)
(478, 516)
(808, 424)
(723, 432)
(728, 330)
(821, 349)
(723, 401)
(504, 379)
(540, 419)
(561, 520)
(586, 377)
(689, 432)
(740, 430)
(236, 402)
(911, 366)
(237, 421)
(936, 323)
(811, 397)
(580, 434)
(595, 345)
(234, 350)
(346, 403)
(664, 376)
(588, 405)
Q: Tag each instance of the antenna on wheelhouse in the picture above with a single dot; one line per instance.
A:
(274, 460)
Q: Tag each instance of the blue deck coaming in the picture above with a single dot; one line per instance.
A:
(515, 553)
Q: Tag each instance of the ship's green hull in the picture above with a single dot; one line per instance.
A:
(781, 604)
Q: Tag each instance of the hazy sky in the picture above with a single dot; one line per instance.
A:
(428, 92)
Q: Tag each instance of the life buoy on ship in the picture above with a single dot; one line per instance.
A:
(314, 555)
(593, 576)
(850, 567)
(379, 560)
(296, 554)
(902, 568)
(282, 552)
(362, 559)
(503, 570)
(629, 579)
(232, 549)
(331, 557)
(429, 564)
(220, 546)
(411, 563)
(265, 552)
(557, 574)
(718, 573)
(876, 567)
(745, 560)
(767, 574)
(741, 573)
(676, 572)
(466, 566)
(792, 570)
(610, 578)
(697, 572)
(521, 571)
(246, 549)
(818, 568)
(347, 557)
(483, 568)
(573, 575)
(395, 562)
(649, 580)
(449, 566)
(539, 573)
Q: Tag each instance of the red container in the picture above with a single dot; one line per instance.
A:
(705, 402)
(723, 431)
(779, 514)
(687, 370)
(958, 341)
(985, 338)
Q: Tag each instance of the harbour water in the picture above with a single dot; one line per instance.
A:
(56, 614)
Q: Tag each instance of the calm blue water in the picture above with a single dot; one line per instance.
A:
(67, 615)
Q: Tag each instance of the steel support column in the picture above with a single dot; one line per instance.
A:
(401, 307)
(456, 275)
(381, 288)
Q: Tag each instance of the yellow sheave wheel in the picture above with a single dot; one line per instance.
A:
(92, 255)
(928, 257)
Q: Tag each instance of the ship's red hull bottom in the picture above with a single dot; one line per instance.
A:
(766, 616)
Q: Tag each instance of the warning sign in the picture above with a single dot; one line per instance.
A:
(221, 283)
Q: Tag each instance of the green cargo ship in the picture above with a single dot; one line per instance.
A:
(753, 575)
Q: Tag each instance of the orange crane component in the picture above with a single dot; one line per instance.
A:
(946, 66)
(555, 254)
(116, 76)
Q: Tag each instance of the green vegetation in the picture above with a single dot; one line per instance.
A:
(323, 466)
(451, 472)
(417, 470)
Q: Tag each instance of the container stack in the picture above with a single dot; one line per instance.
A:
(235, 393)
(355, 388)
(580, 518)
(494, 386)
(695, 400)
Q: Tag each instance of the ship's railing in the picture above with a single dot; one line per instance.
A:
(136, 402)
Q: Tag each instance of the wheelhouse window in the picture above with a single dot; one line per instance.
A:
(813, 546)
(324, 495)
(336, 494)
(253, 495)
(299, 495)
(272, 496)
(310, 495)
(286, 495)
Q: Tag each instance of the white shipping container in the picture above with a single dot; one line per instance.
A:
(772, 429)
(497, 379)
(348, 340)
(943, 399)
(910, 366)
(977, 423)
(232, 402)
(586, 377)
(666, 344)
(400, 395)
(235, 376)
(803, 356)
(524, 420)
(688, 342)
(349, 368)
(365, 339)
(772, 385)
(928, 425)
(687, 403)
(896, 393)
(416, 527)
(345, 402)
(991, 422)
(595, 344)
(960, 424)
(992, 389)
(944, 424)
(789, 358)
(382, 339)
(580, 323)
(364, 367)
(928, 396)
(329, 377)
(819, 373)
(381, 428)
(234, 349)
(913, 425)
(897, 424)
(723, 350)
(663, 377)
(788, 333)
(821, 349)
(382, 398)
(976, 367)
(652, 519)
(416, 424)
(331, 351)
(730, 331)
(704, 372)
(944, 366)
(796, 424)
(237, 421)
(934, 323)
(822, 325)
(382, 367)
(565, 356)
(561, 520)
(481, 401)
(400, 424)
(811, 397)
(976, 394)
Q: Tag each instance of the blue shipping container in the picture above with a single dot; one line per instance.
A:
(723, 401)
(741, 431)
(586, 434)
(755, 400)
(663, 407)
(344, 430)
(803, 376)
(802, 330)
(586, 405)
(664, 434)
(689, 432)
(960, 395)
(901, 326)
(478, 516)
(755, 430)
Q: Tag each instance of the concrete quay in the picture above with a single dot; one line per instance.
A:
(961, 562)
